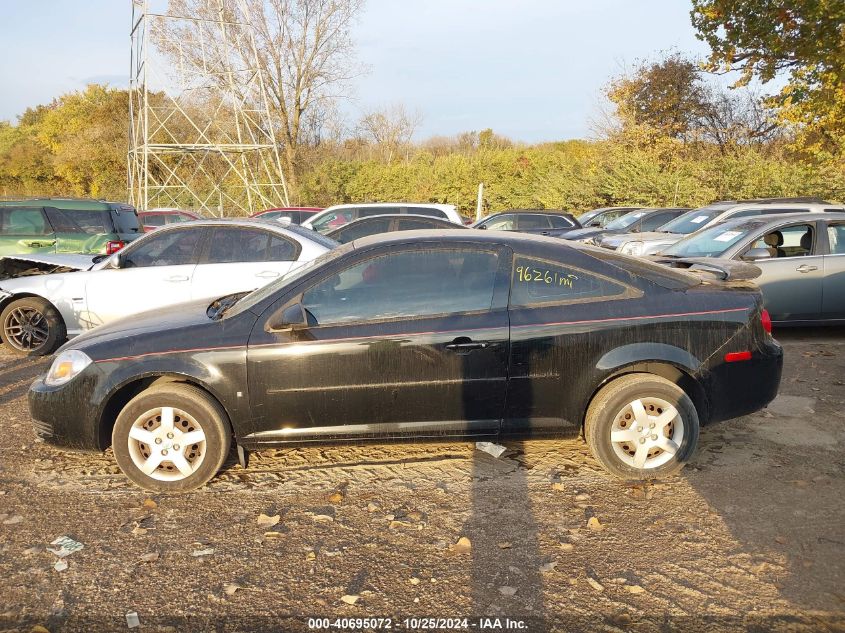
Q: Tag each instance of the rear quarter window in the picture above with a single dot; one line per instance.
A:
(537, 282)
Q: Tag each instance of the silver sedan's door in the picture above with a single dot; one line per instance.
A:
(833, 287)
(239, 259)
(154, 273)
(792, 279)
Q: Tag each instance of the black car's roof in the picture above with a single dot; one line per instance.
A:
(447, 235)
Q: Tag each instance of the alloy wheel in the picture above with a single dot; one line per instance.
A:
(25, 329)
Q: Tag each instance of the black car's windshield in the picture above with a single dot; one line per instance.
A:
(692, 221)
(257, 296)
(713, 242)
(625, 221)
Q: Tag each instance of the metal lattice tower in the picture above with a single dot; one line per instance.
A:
(201, 133)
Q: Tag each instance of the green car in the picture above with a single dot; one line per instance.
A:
(65, 225)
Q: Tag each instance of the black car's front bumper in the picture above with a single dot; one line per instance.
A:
(67, 415)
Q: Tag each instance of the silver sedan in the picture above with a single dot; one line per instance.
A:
(192, 261)
(801, 256)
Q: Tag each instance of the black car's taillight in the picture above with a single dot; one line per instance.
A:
(766, 320)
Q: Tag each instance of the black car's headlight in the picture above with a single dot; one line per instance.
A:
(67, 365)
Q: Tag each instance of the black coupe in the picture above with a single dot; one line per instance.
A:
(421, 334)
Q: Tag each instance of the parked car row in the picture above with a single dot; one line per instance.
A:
(395, 321)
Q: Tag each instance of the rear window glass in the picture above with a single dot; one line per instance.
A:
(125, 219)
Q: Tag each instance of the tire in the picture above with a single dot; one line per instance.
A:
(193, 412)
(634, 454)
(32, 327)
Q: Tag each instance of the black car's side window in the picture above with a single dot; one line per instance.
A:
(352, 232)
(560, 222)
(538, 281)
(434, 213)
(654, 221)
(505, 222)
(416, 224)
(533, 222)
(172, 248)
(411, 284)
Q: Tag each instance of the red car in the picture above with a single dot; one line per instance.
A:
(297, 215)
(156, 218)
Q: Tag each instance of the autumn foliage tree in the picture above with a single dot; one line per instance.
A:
(804, 41)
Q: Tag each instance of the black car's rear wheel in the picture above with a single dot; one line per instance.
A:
(171, 438)
(641, 426)
(32, 327)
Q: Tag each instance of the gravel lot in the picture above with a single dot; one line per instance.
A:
(751, 536)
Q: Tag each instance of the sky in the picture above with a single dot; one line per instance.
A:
(532, 70)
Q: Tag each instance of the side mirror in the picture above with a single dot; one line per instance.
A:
(291, 318)
(754, 254)
(483, 226)
(116, 261)
(596, 223)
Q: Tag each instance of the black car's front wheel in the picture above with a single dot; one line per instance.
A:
(172, 437)
(32, 326)
(641, 426)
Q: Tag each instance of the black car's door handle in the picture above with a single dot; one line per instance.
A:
(465, 344)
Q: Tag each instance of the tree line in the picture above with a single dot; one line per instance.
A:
(668, 136)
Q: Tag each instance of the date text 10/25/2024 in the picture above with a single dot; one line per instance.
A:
(419, 624)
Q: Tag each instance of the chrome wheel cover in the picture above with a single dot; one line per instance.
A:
(167, 444)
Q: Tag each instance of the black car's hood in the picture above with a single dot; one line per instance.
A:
(161, 320)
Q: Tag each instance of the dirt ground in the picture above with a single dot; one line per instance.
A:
(751, 536)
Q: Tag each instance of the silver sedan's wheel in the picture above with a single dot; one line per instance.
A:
(641, 426)
(172, 437)
(32, 326)
(167, 444)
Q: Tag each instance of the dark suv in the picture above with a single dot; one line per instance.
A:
(65, 225)
(538, 222)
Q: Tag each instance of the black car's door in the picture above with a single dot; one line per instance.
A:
(534, 223)
(410, 340)
(549, 348)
